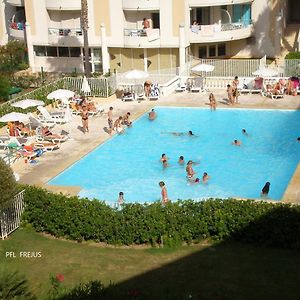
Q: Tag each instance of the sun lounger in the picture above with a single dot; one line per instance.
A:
(181, 88)
(45, 116)
(197, 85)
(128, 97)
(155, 92)
(45, 146)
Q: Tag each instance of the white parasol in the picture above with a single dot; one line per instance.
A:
(136, 74)
(13, 117)
(27, 103)
(59, 94)
(203, 68)
(85, 88)
(266, 72)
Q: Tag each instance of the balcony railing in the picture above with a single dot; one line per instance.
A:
(220, 32)
(134, 32)
(65, 31)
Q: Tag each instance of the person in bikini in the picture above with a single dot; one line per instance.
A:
(164, 193)
(85, 118)
(110, 120)
(190, 172)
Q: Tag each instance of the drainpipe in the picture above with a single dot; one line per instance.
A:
(104, 50)
(181, 48)
(29, 47)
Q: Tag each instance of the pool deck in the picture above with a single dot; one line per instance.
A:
(80, 144)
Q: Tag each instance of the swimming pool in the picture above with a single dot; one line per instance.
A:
(130, 162)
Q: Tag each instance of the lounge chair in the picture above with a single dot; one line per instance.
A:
(128, 97)
(64, 102)
(35, 123)
(257, 86)
(45, 146)
(155, 92)
(181, 88)
(197, 85)
(57, 118)
(53, 137)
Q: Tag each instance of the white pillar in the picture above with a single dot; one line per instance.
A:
(145, 60)
(104, 49)
(29, 47)
(181, 47)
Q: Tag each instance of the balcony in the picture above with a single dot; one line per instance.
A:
(220, 32)
(65, 36)
(63, 4)
(17, 31)
(144, 38)
(15, 2)
(140, 4)
(203, 3)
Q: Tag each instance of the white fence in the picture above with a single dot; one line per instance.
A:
(10, 215)
(292, 67)
(100, 87)
(228, 67)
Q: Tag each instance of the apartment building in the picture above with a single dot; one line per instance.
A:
(178, 28)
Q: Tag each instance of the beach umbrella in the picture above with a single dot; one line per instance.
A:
(59, 94)
(266, 72)
(203, 68)
(136, 74)
(13, 117)
(85, 88)
(27, 103)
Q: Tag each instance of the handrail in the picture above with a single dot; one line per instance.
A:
(218, 27)
(65, 31)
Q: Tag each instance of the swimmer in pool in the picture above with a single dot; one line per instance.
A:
(244, 132)
(189, 133)
(164, 193)
(236, 143)
(190, 172)
(181, 160)
(164, 157)
(205, 177)
(152, 115)
(265, 190)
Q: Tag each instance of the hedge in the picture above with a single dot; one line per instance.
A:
(178, 222)
(293, 55)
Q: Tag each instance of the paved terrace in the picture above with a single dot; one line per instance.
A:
(53, 163)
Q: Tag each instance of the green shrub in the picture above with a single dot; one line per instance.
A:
(13, 285)
(4, 88)
(293, 55)
(8, 185)
(176, 223)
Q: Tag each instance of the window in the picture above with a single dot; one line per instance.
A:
(97, 53)
(39, 50)
(63, 51)
(212, 51)
(155, 20)
(75, 52)
(51, 51)
(221, 50)
(202, 52)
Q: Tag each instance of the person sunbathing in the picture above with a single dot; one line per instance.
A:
(46, 133)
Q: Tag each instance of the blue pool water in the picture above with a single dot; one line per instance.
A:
(130, 162)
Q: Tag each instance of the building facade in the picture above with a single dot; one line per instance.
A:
(178, 29)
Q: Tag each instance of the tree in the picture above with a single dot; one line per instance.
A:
(85, 27)
(8, 184)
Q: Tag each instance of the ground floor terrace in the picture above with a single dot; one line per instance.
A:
(80, 144)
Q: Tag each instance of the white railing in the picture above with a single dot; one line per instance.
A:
(221, 82)
(10, 215)
(135, 32)
(65, 31)
(228, 67)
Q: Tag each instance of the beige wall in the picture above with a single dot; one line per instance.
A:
(30, 15)
(102, 15)
(178, 10)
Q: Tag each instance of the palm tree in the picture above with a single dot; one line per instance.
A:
(85, 27)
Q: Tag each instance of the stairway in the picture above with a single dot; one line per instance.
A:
(290, 39)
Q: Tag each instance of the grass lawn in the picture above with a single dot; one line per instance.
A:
(219, 271)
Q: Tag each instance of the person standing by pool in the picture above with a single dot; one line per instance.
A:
(121, 198)
(164, 193)
(230, 94)
(152, 114)
(212, 102)
(110, 120)
(265, 190)
(85, 118)
(235, 91)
